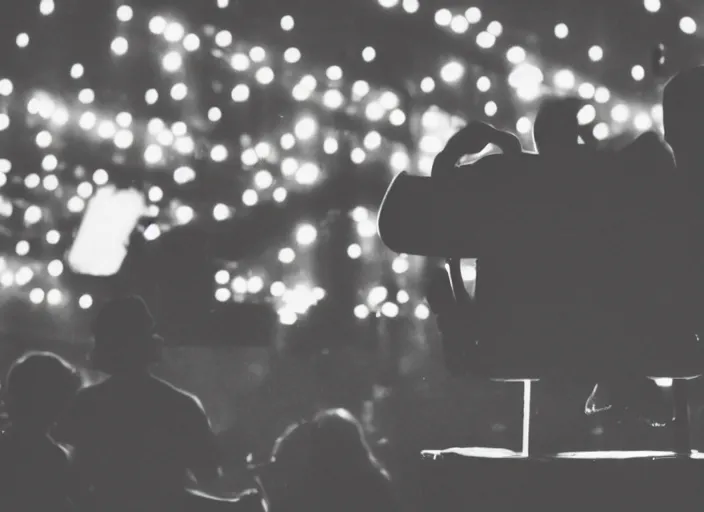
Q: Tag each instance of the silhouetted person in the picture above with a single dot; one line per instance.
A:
(683, 118)
(34, 470)
(326, 464)
(671, 295)
(138, 440)
(628, 270)
(557, 130)
(628, 311)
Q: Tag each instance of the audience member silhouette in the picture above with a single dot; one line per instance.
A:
(326, 464)
(34, 470)
(683, 112)
(683, 107)
(137, 440)
(557, 130)
(624, 274)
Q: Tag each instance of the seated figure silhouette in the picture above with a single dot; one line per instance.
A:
(683, 108)
(325, 464)
(34, 470)
(683, 112)
(556, 131)
(644, 303)
(138, 441)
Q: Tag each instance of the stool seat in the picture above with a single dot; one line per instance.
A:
(565, 361)
(475, 451)
(492, 479)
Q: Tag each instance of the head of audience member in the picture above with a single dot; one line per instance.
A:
(344, 468)
(326, 464)
(683, 112)
(126, 342)
(39, 386)
(556, 128)
(339, 443)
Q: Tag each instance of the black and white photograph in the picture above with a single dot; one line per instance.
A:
(351, 255)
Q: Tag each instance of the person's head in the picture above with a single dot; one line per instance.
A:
(556, 128)
(343, 466)
(39, 385)
(683, 115)
(320, 460)
(339, 442)
(125, 337)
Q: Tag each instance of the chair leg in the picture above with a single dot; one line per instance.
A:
(525, 441)
(683, 441)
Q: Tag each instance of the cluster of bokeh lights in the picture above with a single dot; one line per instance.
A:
(286, 160)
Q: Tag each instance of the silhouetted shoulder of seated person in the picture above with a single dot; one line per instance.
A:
(138, 440)
(34, 470)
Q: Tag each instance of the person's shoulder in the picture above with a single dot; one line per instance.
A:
(92, 391)
(59, 455)
(651, 139)
(87, 396)
(651, 147)
(178, 396)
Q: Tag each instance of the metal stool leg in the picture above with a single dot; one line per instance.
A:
(525, 441)
(683, 442)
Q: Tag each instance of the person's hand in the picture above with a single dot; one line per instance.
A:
(630, 398)
(471, 140)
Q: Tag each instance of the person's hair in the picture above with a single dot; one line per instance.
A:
(683, 110)
(556, 126)
(293, 443)
(39, 385)
(338, 440)
(336, 464)
(124, 337)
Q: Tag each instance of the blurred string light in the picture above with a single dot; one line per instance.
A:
(473, 15)
(124, 13)
(596, 53)
(652, 5)
(411, 6)
(22, 40)
(561, 31)
(452, 72)
(688, 25)
(638, 73)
